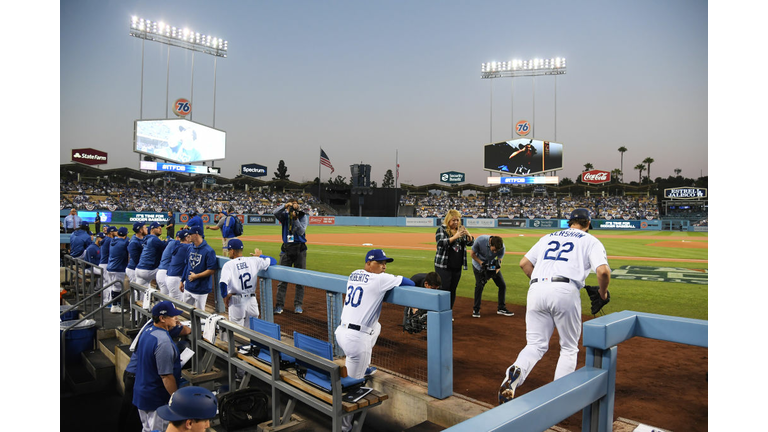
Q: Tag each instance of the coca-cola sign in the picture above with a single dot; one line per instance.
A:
(595, 177)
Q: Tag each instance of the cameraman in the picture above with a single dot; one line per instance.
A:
(487, 253)
(293, 253)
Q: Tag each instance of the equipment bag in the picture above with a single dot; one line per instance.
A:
(237, 228)
(243, 408)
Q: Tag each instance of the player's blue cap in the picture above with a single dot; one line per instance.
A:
(154, 225)
(235, 244)
(377, 255)
(101, 235)
(165, 308)
(188, 403)
(196, 230)
(137, 226)
(83, 224)
(113, 229)
(123, 231)
(182, 234)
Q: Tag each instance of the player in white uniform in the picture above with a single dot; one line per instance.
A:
(360, 326)
(238, 282)
(557, 265)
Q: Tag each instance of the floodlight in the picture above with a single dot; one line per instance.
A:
(180, 37)
(513, 68)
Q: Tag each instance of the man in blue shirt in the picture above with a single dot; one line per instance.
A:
(72, 221)
(135, 247)
(226, 224)
(158, 366)
(293, 253)
(118, 261)
(179, 258)
(79, 240)
(195, 220)
(198, 273)
(487, 253)
(93, 253)
(149, 261)
(105, 243)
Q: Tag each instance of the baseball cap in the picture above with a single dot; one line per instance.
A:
(113, 229)
(100, 235)
(154, 225)
(165, 308)
(377, 255)
(581, 213)
(191, 402)
(137, 226)
(196, 230)
(235, 244)
(123, 231)
(83, 224)
(182, 234)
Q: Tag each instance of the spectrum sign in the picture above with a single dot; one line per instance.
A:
(553, 180)
(184, 169)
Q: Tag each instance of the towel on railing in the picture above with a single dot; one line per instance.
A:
(136, 339)
(148, 298)
(209, 333)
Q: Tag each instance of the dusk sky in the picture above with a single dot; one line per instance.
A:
(376, 82)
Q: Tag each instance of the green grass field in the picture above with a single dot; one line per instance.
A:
(653, 296)
(666, 298)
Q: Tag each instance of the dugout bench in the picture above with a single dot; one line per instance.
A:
(283, 381)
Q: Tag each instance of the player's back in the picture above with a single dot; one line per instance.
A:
(365, 293)
(569, 253)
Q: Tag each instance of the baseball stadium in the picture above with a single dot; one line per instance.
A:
(350, 305)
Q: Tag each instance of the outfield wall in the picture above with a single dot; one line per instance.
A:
(128, 217)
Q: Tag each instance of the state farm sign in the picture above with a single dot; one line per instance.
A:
(595, 177)
(89, 156)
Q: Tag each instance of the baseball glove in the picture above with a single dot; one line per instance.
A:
(597, 302)
(414, 322)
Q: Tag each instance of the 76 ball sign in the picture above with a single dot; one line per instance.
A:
(182, 107)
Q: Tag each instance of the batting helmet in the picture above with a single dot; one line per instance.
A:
(580, 214)
(189, 403)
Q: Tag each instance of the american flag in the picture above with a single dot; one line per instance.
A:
(325, 161)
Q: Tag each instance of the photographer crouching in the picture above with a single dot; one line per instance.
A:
(487, 253)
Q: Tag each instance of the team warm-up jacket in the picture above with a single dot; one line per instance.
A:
(79, 240)
(151, 254)
(93, 254)
(201, 258)
(135, 245)
(118, 255)
(165, 259)
(179, 258)
(105, 250)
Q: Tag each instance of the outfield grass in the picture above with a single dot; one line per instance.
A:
(666, 298)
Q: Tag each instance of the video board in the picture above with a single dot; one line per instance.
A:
(179, 140)
(523, 157)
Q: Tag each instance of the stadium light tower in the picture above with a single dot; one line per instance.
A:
(182, 38)
(519, 68)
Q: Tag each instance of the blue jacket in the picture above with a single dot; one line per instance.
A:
(79, 240)
(165, 259)
(295, 227)
(105, 250)
(118, 255)
(201, 258)
(151, 254)
(135, 246)
(179, 258)
(93, 254)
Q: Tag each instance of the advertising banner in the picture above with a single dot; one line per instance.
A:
(452, 177)
(596, 177)
(616, 224)
(131, 217)
(322, 220)
(544, 223)
(485, 223)
(89, 156)
(685, 193)
(261, 219)
(419, 222)
(253, 170)
(512, 223)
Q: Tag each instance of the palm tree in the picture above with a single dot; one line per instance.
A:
(641, 168)
(588, 166)
(622, 149)
(649, 161)
(677, 172)
(615, 175)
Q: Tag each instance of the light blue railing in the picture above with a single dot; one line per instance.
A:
(591, 388)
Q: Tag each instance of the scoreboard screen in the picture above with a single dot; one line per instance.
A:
(179, 140)
(523, 157)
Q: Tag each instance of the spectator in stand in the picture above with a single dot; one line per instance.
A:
(198, 273)
(135, 246)
(451, 257)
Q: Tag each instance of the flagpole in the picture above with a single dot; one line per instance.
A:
(319, 181)
(397, 177)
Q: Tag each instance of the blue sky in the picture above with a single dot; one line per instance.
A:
(367, 81)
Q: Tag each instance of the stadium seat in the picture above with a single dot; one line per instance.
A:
(317, 377)
(272, 330)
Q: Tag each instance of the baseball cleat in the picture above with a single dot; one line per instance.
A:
(370, 371)
(475, 314)
(508, 386)
(299, 310)
(278, 310)
(505, 312)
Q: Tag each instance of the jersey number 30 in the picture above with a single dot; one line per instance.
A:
(354, 296)
(555, 253)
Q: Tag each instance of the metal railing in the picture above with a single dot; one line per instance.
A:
(591, 388)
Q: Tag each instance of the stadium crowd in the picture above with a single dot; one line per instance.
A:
(534, 207)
